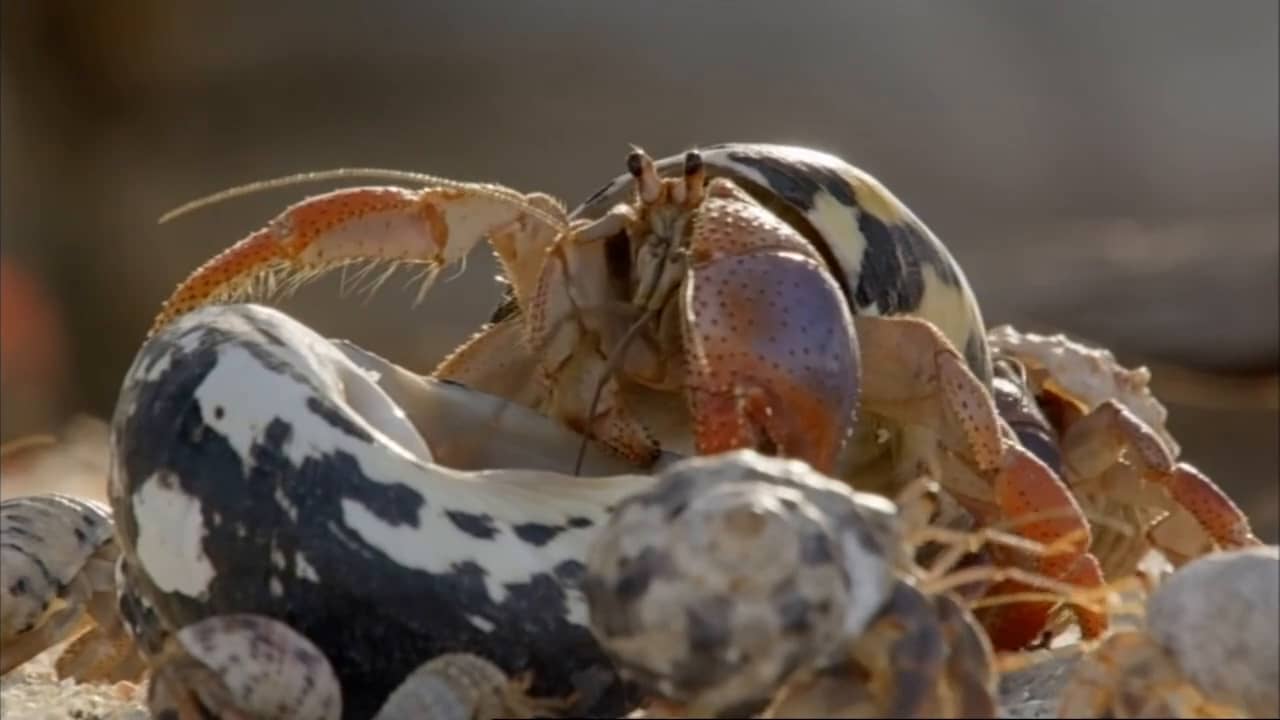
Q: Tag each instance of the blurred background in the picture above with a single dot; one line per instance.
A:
(1104, 169)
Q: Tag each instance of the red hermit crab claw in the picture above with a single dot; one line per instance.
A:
(770, 346)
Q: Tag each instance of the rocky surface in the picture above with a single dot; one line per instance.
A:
(33, 692)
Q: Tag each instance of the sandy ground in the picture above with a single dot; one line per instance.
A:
(32, 692)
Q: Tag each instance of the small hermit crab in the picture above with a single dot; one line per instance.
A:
(736, 296)
(1206, 647)
(1098, 425)
(57, 576)
(252, 667)
(744, 585)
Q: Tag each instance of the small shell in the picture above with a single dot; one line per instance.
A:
(247, 664)
(462, 686)
(45, 541)
(732, 573)
(1218, 617)
(1089, 374)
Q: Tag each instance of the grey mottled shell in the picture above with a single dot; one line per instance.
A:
(732, 573)
(45, 541)
(1218, 617)
(266, 668)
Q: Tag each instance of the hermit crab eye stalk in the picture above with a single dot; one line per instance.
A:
(641, 167)
(695, 178)
(692, 163)
(635, 162)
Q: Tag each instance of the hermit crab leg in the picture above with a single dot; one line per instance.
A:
(913, 374)
(1026, 487)
(1211, 508)
(908, 366)
(771, 352)
(434, 226)
(1096, 441)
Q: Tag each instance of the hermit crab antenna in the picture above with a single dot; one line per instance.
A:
(611, 367)
(615, 357)
(497, 192)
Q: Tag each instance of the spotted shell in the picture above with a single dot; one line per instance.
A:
(731, 574)
(886, 260)
(45, 541)
(250, 664)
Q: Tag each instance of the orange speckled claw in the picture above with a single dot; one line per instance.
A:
(772, 357)
(1097, 439)
(432, 227)
(1025, 487)
(908, 365)
(1017, 625)
(1211, 508)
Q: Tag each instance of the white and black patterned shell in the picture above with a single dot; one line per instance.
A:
(888, 261)
(246, 481)
(45, 541)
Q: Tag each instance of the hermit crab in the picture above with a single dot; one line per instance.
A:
(258, 668)
(1096, 422)
(741, 585)
(737, 296)
(734, 285)
(1204, 647)
(57, 564)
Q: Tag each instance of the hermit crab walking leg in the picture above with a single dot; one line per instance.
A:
(1096, 441)
(952, 431)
